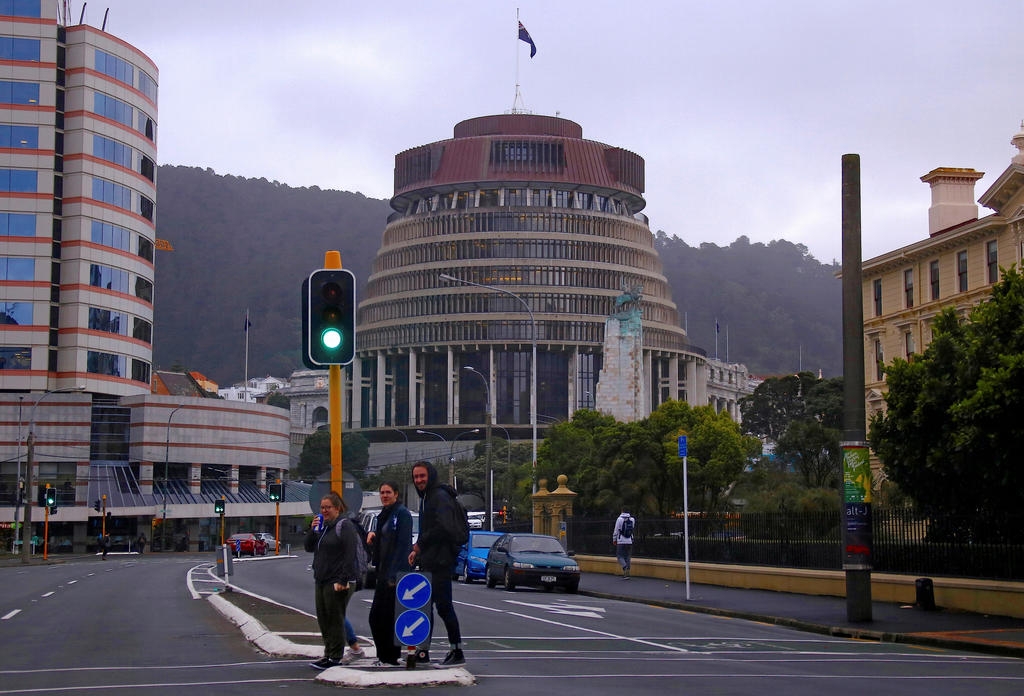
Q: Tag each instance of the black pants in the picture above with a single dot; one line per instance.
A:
(382, 622)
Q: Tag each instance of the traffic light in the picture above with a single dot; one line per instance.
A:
(51, 497)
(329, 318)
(218, 507)
(96, 505)
(275, 491)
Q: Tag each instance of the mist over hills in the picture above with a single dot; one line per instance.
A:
(246, 244)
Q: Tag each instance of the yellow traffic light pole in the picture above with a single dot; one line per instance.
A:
(332, 260)
(46, 524)
(277, 525)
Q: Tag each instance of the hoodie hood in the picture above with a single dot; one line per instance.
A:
(431, 477)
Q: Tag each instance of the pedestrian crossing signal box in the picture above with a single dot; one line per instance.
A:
(218, 507)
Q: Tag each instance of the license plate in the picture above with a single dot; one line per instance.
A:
(548, 578)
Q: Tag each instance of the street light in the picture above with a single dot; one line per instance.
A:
(402, 433)
(533, 361)
(451, 456)
(26, 536)
(167, 449)
(487, 424)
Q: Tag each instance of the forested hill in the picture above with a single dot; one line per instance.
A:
(248, 243)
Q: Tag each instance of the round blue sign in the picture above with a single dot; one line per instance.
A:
(412, 627)
(413, 590)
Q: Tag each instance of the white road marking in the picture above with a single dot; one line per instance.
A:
(10, 614)
(48, 594)
(565, 609)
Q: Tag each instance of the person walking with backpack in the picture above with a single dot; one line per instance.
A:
(333, 545)
(622, 538)
(436, 550)
(391, 545)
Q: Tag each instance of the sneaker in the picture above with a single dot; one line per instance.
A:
(454, 657)
(351, 656)
(324, 663)
(385, 664)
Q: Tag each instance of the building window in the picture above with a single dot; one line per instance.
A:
(19, 49)
(108, 278)
(140, 371)
(19, 137)
(21, 8)
(15, 358)
(877, 290)
(908, 344)
(147, 85)
(16, 313)
(17, 225)
(99, 363)
(108, 320)
(992, 261)
(17, 269)
(142, 330)
(933, 278)
(114, 109)
(144, 289)
(112, 151)
(109, 192)
(18, 180)
(110, 235)
(879, 360)
(961, 271)
(25, 93)
(908, 287)
(117, 68)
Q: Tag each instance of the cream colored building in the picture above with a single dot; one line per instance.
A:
(956, 265)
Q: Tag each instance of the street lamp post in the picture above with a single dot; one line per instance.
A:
(402, 433)
(26, 536)
(451, 456)
(167, 449)
(533, 361)
(487, 436)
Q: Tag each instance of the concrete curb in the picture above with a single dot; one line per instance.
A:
(257, 634)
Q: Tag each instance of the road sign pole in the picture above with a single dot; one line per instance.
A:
(686, 515)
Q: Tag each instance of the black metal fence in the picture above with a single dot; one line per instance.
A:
(904, 542)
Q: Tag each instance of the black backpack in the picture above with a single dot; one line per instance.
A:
(457, 525)
(626, 532)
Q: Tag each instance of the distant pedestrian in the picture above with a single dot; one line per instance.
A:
(105, 545)
(141, 541)
(391, 545)
(436, 550)
(622, 538)
(333, 545)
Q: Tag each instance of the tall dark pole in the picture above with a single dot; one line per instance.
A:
(487, 423)
(857, 533)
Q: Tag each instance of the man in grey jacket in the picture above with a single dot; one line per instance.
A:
(622, 538)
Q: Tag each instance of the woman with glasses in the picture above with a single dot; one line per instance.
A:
(333, 545)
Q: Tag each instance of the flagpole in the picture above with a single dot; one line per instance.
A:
(515, 100)
(245, 392)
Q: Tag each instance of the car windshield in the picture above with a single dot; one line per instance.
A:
(536, 544)
(483, 541)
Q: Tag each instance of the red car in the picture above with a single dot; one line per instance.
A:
(247, 543)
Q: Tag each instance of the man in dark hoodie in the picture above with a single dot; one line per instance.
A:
(436, 550)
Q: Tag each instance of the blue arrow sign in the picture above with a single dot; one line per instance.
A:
(412, 627)
(682, 445)
(413, 590)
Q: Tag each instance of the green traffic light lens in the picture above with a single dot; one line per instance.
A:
(331, 339)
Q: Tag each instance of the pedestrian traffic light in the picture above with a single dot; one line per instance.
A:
(329, 318)
(218, 507)
(51, 497)
(96, 505)
(275, 491)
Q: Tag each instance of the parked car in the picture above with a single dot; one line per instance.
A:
(535, 560)
(476, 519)
(472, 561)
(269, 539)
(247, 543)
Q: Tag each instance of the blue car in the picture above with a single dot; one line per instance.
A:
(472, 561)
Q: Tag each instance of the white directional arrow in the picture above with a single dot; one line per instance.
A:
(411, 628)
(565, 609)
(413, 591)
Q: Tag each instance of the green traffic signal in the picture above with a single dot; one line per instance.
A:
(51, 497)
(329, 318)
(218, 507)
(275, 492)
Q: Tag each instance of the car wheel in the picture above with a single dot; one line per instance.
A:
(509, 585)
(490, 582)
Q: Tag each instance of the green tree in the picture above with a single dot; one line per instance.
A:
(951, 436)
(276, 398)
(315, 458)
(775, 403)
(814, 451)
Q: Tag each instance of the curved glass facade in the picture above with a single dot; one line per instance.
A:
(547, 220)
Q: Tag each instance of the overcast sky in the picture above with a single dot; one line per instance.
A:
(742, 109)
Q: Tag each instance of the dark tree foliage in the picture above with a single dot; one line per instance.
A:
(951, 436)
(315, 458)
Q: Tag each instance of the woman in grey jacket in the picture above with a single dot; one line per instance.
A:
(333, 545)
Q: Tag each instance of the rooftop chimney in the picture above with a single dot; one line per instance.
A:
(952, 197)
